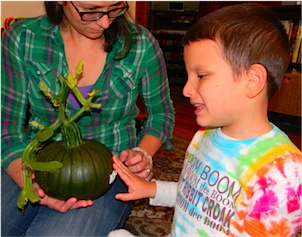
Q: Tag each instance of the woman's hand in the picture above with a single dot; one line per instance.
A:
(137, 187)
(60, 205)
(137, 163)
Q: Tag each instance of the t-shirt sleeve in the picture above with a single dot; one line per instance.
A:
(275, 207)
(165, 194)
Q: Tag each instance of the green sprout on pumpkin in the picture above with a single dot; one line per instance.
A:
(29, 163)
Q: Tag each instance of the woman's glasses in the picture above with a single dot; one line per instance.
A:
(94, 16)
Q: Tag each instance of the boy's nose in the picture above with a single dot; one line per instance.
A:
(187, 90)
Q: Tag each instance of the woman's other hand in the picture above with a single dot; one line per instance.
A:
(137, 163)
(60, 205)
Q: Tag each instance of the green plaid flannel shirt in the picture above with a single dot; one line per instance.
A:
(33, 51)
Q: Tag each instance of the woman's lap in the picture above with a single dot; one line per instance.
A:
(106, 214)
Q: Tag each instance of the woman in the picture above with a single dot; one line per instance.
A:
(121, 59)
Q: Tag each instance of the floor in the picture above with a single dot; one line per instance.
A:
(186, 126)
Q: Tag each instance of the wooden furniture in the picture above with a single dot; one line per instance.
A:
(290, 16)
(169, 21)
(141, 13)
(170, 43)
(288, 99)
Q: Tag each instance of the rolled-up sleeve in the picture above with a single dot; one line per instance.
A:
(165, 194)
(155, 93)
(13, 98)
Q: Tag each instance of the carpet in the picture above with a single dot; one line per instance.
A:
(146, 220)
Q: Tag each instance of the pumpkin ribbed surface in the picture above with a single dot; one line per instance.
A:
(85, 173)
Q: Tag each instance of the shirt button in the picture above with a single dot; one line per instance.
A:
(38, 72)
(54, 33)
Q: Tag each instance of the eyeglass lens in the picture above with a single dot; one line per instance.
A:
(90, 16)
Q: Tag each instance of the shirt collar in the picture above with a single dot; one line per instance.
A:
(47, 26)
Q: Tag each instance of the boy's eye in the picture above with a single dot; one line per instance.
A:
(201, 76)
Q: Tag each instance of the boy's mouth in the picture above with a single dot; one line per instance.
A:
(198, 108)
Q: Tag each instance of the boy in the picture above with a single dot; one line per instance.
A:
(241, 175)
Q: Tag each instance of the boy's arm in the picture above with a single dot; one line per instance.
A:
(165, 194)
(161, 193)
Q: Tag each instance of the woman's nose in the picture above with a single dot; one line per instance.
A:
(103, 22)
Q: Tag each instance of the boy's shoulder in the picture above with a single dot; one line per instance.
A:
(275, 138)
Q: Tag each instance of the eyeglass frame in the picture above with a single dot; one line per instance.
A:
(81, 14)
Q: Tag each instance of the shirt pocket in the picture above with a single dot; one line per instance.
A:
(122, 81)
(122, 92)
(40, 105)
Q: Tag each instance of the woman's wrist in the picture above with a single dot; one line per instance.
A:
(144, 152)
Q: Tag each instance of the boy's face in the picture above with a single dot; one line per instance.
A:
(219, 98)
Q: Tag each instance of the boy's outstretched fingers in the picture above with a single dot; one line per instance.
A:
(137, 187)
(125, 174)
(120, 168)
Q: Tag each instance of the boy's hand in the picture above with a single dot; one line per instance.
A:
(138, 188)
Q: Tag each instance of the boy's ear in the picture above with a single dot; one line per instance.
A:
(256, 80)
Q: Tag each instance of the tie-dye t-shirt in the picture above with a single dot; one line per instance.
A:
(234, 187)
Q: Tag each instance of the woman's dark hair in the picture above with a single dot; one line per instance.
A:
(120, 26)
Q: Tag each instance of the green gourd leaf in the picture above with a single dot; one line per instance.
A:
(22, 200)
(44, 134)
(32, 197)
(25, 196)
(45, 166)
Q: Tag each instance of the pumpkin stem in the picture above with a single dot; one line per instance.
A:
(72, 135)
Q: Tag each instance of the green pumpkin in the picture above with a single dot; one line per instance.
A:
(85, 173)
(87, 166)
(73, 167)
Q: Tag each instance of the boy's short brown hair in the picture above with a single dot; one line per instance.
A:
(248, 33)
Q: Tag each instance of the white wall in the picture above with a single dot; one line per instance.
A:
(21, 9)
(33, 8)
(132, 8)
